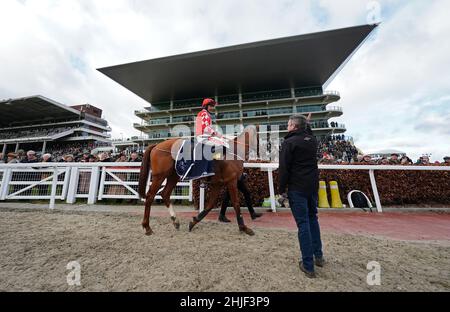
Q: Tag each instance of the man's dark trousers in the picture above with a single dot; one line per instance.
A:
(304, 210)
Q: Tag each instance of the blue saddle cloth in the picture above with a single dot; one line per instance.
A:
(190, 164)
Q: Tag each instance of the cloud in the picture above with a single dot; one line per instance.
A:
(393, 90)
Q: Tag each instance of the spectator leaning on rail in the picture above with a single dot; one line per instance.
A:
(31, 158)
(47, 158)
(367, 160)
(394, 159)
(12, 158)
(446, 161)
(405, 160)
(134, 157)
(298, 172)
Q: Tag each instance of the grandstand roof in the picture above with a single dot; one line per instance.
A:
(297, 61)
(33, 109)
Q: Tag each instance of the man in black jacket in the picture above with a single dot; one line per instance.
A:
(299, 173)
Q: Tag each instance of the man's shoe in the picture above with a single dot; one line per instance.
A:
(256, 215)
(308, 274)
(222, 218)
(320, 262)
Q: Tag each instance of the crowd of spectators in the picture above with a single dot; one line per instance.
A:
(32, 157)
(332, 150)
(394, 159)
(33, 133)
(336, 149)
(58, 151)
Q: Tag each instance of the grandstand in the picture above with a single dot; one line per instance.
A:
(256, 83)
(41, 124)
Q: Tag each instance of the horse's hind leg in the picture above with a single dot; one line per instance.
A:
(154, 187)
(234, 196)
(170, 185)
(213, 193)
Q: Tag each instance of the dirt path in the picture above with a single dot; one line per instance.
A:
(115, 256)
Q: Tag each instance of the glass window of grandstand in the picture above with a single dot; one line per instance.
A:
(159, 134)
(161, 106)
(183, 118)
(266, 95)
(314, 91)
(321, 123)
(228, 99)
(282, 126)
(280, 111)
(228, 115)
(310, 108)
(187, 103)
(254, 113)
(157, 121)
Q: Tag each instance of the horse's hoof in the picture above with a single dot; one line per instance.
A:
(148, 232)
(248, 231)
(177, 225)
(191, 226)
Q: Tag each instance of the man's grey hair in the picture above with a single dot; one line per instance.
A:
(299, 121)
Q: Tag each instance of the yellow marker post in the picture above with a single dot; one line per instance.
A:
(335, 197)
(323, 198)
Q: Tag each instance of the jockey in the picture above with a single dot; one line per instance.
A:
(204, 131)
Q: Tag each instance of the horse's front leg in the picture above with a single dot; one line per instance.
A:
(233, 190)
(213, 193)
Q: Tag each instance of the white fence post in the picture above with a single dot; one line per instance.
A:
(93, 186)
(73, 186)
(191, 191)
(102, 184)
(54, 185)
(202, 197)
(271, 190)
(373, 182)
(66, 183)
(5, 183)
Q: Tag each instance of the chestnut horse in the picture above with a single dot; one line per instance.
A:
(160, 159)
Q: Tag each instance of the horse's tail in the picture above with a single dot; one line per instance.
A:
(145, 170)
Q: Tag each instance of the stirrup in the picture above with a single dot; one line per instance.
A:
(205, 174)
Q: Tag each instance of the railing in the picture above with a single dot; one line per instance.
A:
(270, 167)
(94, 181)
(336, 93)
(334, 108)
(98, 181)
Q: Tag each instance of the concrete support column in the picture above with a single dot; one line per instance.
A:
(17, 147)
(293, 92)
(4, 149)
(44, 146)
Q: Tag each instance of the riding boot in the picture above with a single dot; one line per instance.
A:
(222, 218)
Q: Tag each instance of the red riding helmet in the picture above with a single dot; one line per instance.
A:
(207, 102)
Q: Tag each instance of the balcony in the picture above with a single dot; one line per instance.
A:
(334, 93)
(334, 109)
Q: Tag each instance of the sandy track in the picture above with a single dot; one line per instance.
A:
(115, 256)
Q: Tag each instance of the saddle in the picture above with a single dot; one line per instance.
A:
(190, 163)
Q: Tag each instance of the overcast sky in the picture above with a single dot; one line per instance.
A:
(395, 90)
